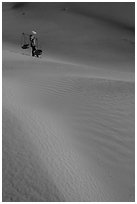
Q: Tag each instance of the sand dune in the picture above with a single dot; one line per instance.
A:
(68, 118)
(51, 144)
(74, 37)
(73, 116)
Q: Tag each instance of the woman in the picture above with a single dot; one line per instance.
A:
(33, 40)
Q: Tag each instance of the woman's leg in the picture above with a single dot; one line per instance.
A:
(33, 51)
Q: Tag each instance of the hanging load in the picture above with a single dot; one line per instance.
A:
(38, 52)
(25, 41)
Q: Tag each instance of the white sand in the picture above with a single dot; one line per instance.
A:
(68, 126)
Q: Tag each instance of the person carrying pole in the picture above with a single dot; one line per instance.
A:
(33, 42)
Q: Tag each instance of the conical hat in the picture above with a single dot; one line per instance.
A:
(34, 32)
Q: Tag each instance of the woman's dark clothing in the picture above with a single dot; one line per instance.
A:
(33, 44)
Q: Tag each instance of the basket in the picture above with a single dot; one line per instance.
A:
(38, 52)
(25, 46)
